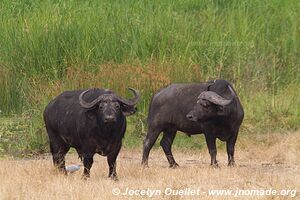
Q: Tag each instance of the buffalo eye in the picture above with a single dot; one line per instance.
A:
(204, 104)
(117, 106)
(101, 106)
(220, 108)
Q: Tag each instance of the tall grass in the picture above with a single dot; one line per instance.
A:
(225, 38)
(50, 46)
(11, 97)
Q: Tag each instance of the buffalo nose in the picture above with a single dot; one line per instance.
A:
(109, 118)
(189, 116)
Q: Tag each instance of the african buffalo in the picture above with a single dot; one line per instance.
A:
(91, 121)
(211, 108)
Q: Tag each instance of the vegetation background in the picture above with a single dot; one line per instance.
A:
(48, 46)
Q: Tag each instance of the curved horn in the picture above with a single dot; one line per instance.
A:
(232, 91)
(131, 102)
(214, 98)
(85, 104)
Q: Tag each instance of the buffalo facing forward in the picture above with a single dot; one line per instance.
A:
(91, 121)
(211, 108)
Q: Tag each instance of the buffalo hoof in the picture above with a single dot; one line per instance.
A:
(231, 164)
(85, 177)
(174, 166)
(62, 171)
(113, 178)
(145, 165)
(215, 166)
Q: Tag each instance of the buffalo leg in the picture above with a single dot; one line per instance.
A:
(230, 150)
(111, 160)
(59, 150)
(166, 143)
(149, 141)
(87, 163)
(211, 144)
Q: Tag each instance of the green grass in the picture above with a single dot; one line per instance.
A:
(54, 45)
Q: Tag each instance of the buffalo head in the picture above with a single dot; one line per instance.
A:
(110, 106)
(209, 105)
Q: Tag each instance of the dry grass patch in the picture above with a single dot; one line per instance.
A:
(272, 162)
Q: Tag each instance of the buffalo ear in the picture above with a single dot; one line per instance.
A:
(128, 110)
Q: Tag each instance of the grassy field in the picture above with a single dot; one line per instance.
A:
(47, 47)
(273, 164)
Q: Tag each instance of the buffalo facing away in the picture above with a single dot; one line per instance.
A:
(91, 121)
(211, 108)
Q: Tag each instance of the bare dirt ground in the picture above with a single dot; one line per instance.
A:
(263, 162)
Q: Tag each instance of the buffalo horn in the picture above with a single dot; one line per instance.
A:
(130, 102)
(214, 98)
(88, 105)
